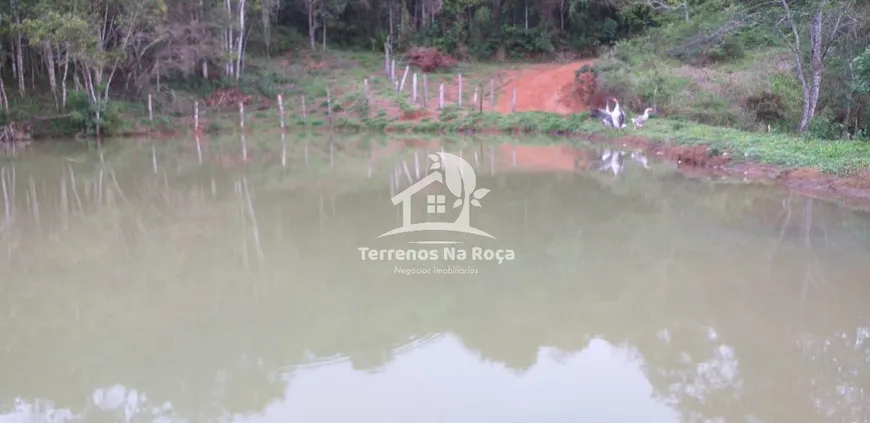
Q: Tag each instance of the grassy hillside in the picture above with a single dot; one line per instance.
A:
(726, 69)
(312, 75)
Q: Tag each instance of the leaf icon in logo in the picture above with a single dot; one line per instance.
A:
(475, 203)
(479, 194)
(457, 203)
(453, 179)
(436, 161)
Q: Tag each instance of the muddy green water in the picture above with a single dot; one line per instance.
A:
(158, 281)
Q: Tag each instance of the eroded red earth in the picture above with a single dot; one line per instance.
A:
(553, 88)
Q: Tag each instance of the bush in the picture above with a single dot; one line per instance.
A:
(586, 69)
(861, 66)
(786, 86)
(642, 85)
(586, 81)
(822, 128)
(767, 107)
(430, 59)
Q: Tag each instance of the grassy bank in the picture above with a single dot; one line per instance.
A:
(334, 76)
(342, 74)
(784, 150)
(744, 76)
(696, 105)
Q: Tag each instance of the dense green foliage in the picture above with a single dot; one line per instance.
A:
(59, 51)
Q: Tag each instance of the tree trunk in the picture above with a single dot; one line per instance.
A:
(3, 97)
(19, 52)
(311, 28)
(89, 83)
(65, 73)
(240, 48)
(818, 50)
(799, 68)
(266, 16)
(52, 76)
(496, 18)
(229, 39)
(817, 62)
(527, 14)
(33, 68)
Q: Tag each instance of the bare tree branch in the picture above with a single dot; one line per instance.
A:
(833, 33)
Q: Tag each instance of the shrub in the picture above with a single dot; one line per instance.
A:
(786, 86)
(861, 65)
(766, 106)
(586, 79)
(822, 128)
(585, 69)
(429, 59)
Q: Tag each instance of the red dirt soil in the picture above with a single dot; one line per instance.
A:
(553, 88)
(549, 88)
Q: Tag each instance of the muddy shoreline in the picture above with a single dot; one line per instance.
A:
(695, 161)
(700, 162)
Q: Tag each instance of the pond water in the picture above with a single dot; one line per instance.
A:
(166, 281)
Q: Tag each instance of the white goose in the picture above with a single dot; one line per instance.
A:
(605, 114)
(640, 120)
(617, 115)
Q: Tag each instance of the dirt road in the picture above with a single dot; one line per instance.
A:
(549, 88)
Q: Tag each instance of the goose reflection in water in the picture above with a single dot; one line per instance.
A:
(614, 160)
(640, 158)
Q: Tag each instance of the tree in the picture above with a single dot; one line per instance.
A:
(826, 21)
(861, 69)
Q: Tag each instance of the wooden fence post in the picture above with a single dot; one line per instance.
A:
(492, 93)
(404, 76)
(460, 91)
(281, 110)
(329, 107)
(425, 91)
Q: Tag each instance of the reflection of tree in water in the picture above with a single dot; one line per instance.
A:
(627, 268)
(845, 396)
(506, 340)
(693, 370)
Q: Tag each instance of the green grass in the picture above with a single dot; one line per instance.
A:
(784, 150)
(344, 72)
(341, 73)
(779, 149)
(344, 79)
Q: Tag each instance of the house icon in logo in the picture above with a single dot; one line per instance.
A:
(459, 177)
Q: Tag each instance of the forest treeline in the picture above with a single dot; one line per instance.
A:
(80, 57)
